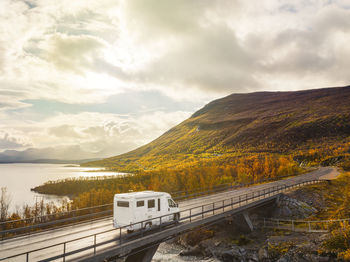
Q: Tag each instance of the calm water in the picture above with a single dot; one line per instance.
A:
(20, 178)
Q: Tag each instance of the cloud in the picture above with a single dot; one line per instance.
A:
(94, 133)
(64, 131)
(50, 51)
(91, 58)
(8, 141)
(215, 61)
(74, 53)
(196, 50)
(154, 18)
(309, 56)
(207, 48)
(204, 49)
(6, 104)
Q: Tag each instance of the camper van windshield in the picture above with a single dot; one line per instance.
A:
(171, 203)
(123, 204)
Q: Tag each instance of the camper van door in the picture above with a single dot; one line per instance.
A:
(151, 207)
(140, 210)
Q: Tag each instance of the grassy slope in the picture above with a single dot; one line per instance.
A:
(276, 122)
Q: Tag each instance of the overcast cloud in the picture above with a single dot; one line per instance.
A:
(63, 63)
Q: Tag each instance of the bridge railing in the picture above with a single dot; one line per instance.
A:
(306, 225)
(31, 225)
(117, 236)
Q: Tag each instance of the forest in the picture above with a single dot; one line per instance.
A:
(205, 174)
(200, 174)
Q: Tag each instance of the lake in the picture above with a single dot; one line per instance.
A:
(20, 178)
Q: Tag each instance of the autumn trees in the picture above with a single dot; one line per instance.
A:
(5, 201)
(197, 175)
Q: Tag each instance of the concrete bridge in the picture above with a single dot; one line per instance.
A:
(99, 241)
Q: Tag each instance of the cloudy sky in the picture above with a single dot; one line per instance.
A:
(101, 77)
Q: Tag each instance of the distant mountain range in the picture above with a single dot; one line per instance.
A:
(276, 122)
(58, 155)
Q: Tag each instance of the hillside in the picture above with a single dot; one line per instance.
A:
(273, 122)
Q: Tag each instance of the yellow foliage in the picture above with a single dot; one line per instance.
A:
(345, 255)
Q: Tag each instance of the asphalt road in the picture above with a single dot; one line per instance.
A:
(39, 240)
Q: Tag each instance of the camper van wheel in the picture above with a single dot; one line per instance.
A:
(148, 225)
(129, 231)
(176, 217)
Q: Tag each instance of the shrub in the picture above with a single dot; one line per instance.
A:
(194, 237)
(241, 240)
(277, 250)
(345, 255)
(338, 242)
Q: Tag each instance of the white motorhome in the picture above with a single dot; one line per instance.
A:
(130, 208)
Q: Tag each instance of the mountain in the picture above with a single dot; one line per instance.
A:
(275, 122)
(53, 155)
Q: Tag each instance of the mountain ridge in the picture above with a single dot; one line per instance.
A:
(277, 122)
(52, 155)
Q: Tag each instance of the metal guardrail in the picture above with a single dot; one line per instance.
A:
(306, 225)
(186, 216)
(33, 224)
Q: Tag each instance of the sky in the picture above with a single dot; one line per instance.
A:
(97, 78)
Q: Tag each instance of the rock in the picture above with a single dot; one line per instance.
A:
(207, 246)
(217, 243)
(192, 251)
(253, 257)
(300, 256)
(236, 254)
(289, 257)
(314, 258)
(287, 207)
(242, 251)
(230, 255)
(286, 212)
(263, 254)
(323, 237)
(323, 259)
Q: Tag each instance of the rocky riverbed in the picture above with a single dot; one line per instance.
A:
(228, 241)
(256, 246)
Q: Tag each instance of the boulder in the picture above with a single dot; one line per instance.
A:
(253, 257)
(263, 254)
(287, 207)
(192, 251)
(235, 254)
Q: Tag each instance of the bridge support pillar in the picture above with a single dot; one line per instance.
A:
(142, 255)
(248, 221)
